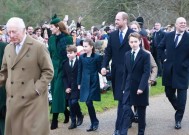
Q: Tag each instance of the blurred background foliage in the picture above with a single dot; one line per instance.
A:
(94, 12)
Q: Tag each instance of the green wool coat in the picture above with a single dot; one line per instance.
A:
(57, 49)
(2, 94)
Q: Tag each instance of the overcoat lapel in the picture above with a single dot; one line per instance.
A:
(137, 58)
(75, 64)
(172, 39)
(23, 51)
(129, 60)
(126, 37)
(183, 39)
(12, 51)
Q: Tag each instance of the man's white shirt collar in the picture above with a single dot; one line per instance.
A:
(22, 42)
(136, 52)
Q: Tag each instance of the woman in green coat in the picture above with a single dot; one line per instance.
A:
(57, 48)
(2, 95)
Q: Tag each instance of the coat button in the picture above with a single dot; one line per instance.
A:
(22, 69)
(11, 96)
(12, 82)
(22, 97)
(22, 82)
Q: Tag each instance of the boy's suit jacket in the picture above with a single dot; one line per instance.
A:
(70, 79)
(136, 77)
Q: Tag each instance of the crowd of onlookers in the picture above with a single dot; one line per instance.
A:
(99, 34)
(80, 64)
(78, 31)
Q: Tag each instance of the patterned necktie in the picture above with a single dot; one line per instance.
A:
(176, 40)
(132, 58)
(121, 37)
(17, 48)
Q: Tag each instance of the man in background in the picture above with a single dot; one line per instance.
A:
(157, 37)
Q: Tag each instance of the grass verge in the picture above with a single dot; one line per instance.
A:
(107, 100)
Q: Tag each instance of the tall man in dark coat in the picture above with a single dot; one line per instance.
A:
(176, 67)
(115, 51)
(157, 37)
(2, 95)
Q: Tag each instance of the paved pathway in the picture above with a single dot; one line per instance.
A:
(160, 121)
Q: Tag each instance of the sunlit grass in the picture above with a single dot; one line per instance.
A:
(107, 100)
(158, 89)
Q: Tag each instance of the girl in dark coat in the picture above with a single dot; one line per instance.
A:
(88, 80)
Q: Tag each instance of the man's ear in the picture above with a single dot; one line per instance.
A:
(125, 20)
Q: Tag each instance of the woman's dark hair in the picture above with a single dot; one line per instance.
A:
(62, 27)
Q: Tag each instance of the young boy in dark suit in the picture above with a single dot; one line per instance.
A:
(70, 69)
(135, 85)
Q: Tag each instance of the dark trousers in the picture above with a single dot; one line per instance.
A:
(92, 113)
(2, 126)
(141, 119)
(125, 119)
(127, 116)
(119, 114)
(178, 101)
(75, 109)
(158, 61)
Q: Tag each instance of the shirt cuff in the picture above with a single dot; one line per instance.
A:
(38, 92)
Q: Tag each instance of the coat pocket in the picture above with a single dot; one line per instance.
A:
(29, 90)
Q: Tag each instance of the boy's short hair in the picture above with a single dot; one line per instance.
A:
(136, 35)
(71, 48)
